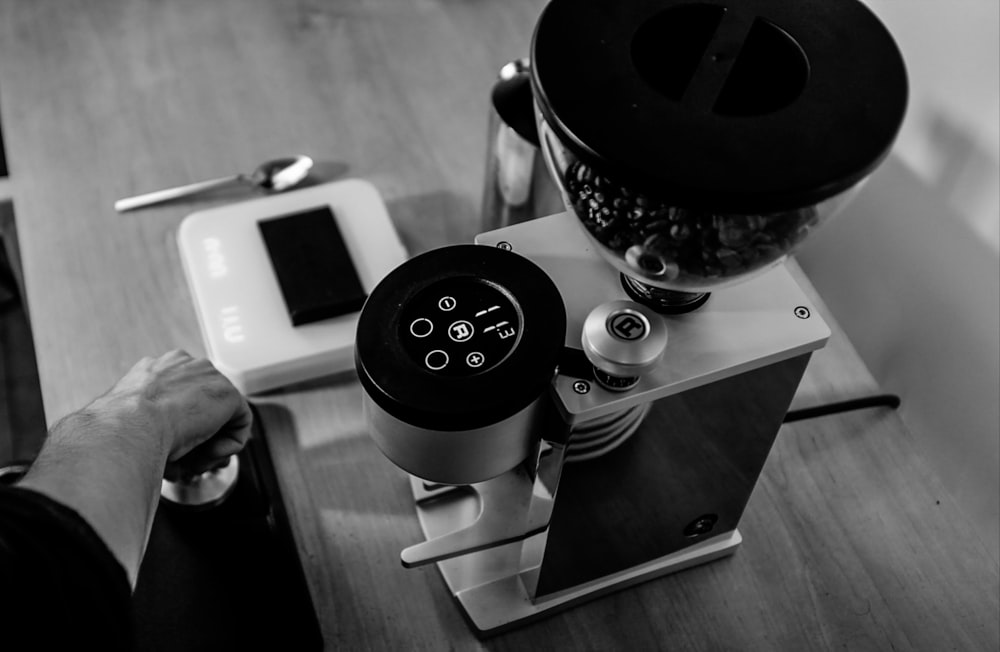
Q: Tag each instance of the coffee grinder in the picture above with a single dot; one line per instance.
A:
(585, 401)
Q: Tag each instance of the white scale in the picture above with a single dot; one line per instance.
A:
(245, 325)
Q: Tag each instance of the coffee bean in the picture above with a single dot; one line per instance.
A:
(688, 248)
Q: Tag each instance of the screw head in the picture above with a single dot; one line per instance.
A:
(701, 525)
(503, 244)
(581, 387)
(802, 312)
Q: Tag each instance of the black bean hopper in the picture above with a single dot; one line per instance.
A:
(585, 401)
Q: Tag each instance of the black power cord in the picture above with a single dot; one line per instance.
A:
(877, 400)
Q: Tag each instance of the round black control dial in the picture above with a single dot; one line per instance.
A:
(460, 326)
(460, 337)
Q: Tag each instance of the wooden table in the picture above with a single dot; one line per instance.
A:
(849, 540)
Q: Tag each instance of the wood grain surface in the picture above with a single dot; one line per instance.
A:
(849, 541)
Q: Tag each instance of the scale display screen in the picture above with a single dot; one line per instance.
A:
(314, 269)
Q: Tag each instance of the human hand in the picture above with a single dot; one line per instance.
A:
(171, 415)
(199, 416)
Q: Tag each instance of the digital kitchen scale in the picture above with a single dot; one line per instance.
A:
(277, 282)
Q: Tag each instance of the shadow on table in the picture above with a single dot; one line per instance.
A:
(229, 577)
(332, 460)
(433, 220)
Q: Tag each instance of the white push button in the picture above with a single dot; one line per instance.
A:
(436, 360)
(447, 303)
(475, 359)
(421, 327)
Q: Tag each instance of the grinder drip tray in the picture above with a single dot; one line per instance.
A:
(229, 577)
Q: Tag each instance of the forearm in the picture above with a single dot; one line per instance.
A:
(107, 460)
(103, 467)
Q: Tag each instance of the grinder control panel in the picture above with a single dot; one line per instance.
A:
(460, 326)
(460, 338)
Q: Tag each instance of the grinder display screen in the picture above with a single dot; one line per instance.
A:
(460, 326)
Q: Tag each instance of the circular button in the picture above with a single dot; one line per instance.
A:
(421, 327)
(436, 360)
(475, 359)
(461, 331)
(447, 303)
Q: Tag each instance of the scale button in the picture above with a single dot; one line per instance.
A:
(475, 359)
(436, 360)
(447, 303)
(460, 331)
(421, 327)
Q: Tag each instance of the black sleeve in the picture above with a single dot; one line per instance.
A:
(60, 586)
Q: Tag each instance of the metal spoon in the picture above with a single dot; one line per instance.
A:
(275, 176)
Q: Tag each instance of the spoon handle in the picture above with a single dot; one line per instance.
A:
(147, 199)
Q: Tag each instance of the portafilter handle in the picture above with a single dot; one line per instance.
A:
(203, 490)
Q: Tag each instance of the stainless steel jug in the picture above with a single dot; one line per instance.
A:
(518, 187)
